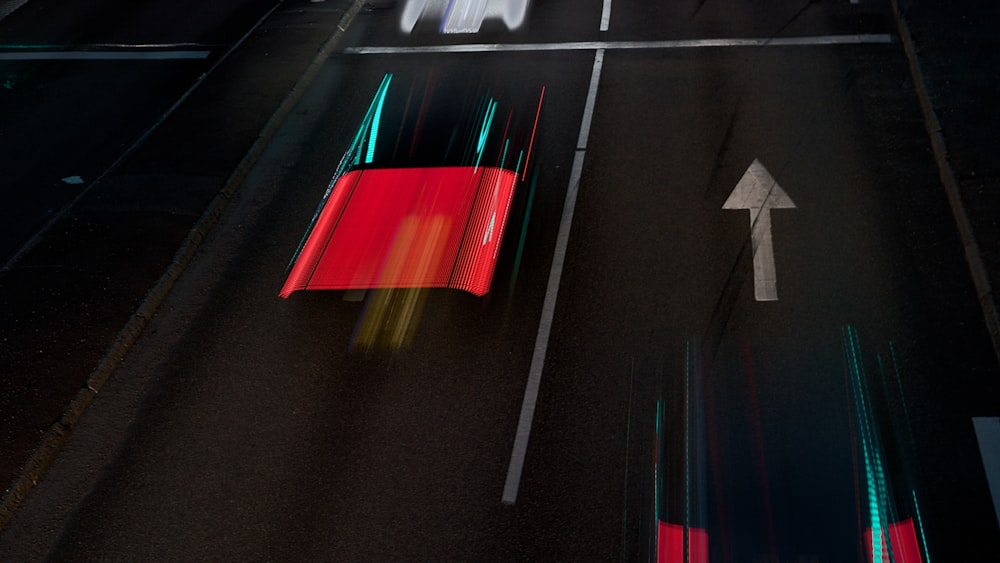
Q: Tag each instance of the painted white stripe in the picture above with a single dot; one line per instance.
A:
(818, 40)
(549, 305)
(606, 15)
(103, 55)
(988, 434)
(588, 108)
(765, 276)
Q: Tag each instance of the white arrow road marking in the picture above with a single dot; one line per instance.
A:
(758, 192)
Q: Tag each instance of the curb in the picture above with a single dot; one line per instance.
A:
(57, 435)
(980, 278)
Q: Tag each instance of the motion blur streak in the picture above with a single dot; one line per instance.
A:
(356, 236)
(680, 492)
(911, 465)
(759, 443)
(391, 316)
(674, 541)
(900, 541)
(386, 185)
(887, 537)
(353, 154)
(425, 104)
(373, 134)
(920, 523)
(534, 129)
(462, 16)
(524, 230)
(484, 129)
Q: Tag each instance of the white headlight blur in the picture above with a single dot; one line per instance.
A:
(462, 16)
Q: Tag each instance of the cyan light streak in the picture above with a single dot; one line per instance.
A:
(354, 152)
(484, 130)
(909, 429)
(920, 524)
(503, 157)
(469, 154)
(373, 134)
(352, 156)
(877, 487)
(524, 227)
(687, 446)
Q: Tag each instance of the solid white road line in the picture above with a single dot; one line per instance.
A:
(549, 305)
(588, 108)
(606, 15)
(103, 55)
(818, 40)
(988, 434)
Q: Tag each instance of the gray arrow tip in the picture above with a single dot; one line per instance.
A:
(757, 189)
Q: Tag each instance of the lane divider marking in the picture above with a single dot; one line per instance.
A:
(817, 40)
(523, 433)
(606, 15)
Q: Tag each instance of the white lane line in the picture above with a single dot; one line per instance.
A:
(988, 434)
(549, 305)
(103, 55)
(606, 15)
(588, 108)
(818, 40)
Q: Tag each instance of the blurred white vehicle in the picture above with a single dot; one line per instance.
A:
(462, 16)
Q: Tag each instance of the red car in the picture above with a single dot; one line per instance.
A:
(391, 220)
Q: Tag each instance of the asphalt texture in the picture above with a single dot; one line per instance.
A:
(960, 101)
(960, 59)
(118, 240)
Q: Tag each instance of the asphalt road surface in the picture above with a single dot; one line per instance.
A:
(74, 117)
(103, 181)
(764, 327)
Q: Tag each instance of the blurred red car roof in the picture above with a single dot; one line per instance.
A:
(407, 228)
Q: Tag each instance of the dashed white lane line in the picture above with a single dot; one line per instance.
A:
(815, 40)
(549, 305)
(606, 15)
